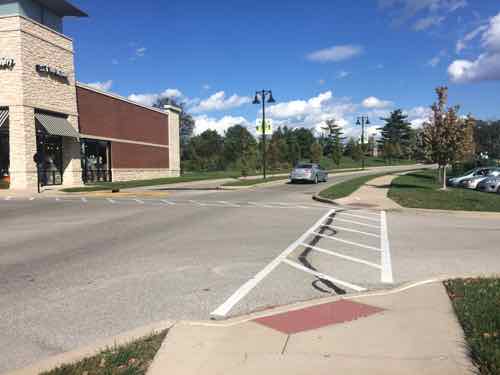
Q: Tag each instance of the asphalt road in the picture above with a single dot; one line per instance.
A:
(75, 270)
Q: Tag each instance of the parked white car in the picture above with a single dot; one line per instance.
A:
(473, 182)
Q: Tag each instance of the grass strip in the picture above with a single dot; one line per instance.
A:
(477, 305)
(153, 182)
(130, 359)
(348, 187)
(421, 190)
(255, 181)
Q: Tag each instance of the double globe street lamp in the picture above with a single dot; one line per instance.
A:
(261, 97)
(363, 120)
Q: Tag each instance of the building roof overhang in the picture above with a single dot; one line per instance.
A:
(63, 8)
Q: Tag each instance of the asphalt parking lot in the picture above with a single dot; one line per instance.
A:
(76, 269)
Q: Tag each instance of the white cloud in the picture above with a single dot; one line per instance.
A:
(418, 115)
(150, 99)
(140, 52)
(203, 122)
(375, 103)
(103, 86)
(434, 61)
(219, 102)
(427, 22)
(462, 43)
(437, 59)
(335, 53)
(313, 112)
(433, 12)
(486, 67)
(491, 37)
(343, 74)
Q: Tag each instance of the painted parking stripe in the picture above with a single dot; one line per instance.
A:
(237, 296)
(343, 256)
(350, 230)
(259, 205)
(387, 276)
(112, 201)
(323, 276)
(84, 200)
(170, 203)
(357, 223)
(348, 242)
(229, 204)
(359, 216)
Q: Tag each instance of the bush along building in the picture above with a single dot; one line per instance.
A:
(57, 131)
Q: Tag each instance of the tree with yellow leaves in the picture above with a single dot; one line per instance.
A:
(445, 134)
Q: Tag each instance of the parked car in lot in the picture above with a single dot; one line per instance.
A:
(473, 182)
(308, 172)
(478, 172)
(490, 185)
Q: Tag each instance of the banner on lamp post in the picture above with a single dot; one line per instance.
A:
(268, 129)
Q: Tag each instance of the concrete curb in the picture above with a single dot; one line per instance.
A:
(79, 354)
(317, 198)
(247, 187)
(88, 351)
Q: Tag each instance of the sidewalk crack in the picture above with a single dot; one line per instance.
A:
(286, 344)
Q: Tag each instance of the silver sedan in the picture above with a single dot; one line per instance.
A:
(490, 185)
(473, 182)
(309, 173)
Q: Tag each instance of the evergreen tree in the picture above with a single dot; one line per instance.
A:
(333, 141)
(397, 130)
(316, 152)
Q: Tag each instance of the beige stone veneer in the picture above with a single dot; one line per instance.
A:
(23, 90)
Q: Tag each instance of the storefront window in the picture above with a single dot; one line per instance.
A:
(96, 161)
(50, 163)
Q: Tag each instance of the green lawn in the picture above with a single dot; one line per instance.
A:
(255, 181)
(346, 188)
(131, 359)
(477, 305)
(346, 163)
(188, 177)
(420, 190)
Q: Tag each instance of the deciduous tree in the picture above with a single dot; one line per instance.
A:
(444, 134)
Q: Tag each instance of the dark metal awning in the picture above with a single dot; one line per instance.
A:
(56, 125)
(4, 115)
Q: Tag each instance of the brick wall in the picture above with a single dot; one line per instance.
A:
(106, 116)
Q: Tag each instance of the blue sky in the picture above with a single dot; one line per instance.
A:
(322, 59)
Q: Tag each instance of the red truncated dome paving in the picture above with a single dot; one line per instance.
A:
(318, 316)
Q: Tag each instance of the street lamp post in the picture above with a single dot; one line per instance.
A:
(261, 97)
(363, 120)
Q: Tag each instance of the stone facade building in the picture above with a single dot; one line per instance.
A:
(56, 131)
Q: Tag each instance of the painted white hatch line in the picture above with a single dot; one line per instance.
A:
(237, 296)
(387, 276)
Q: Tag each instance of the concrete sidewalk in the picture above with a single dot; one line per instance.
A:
(410, 331)
(373, 194)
